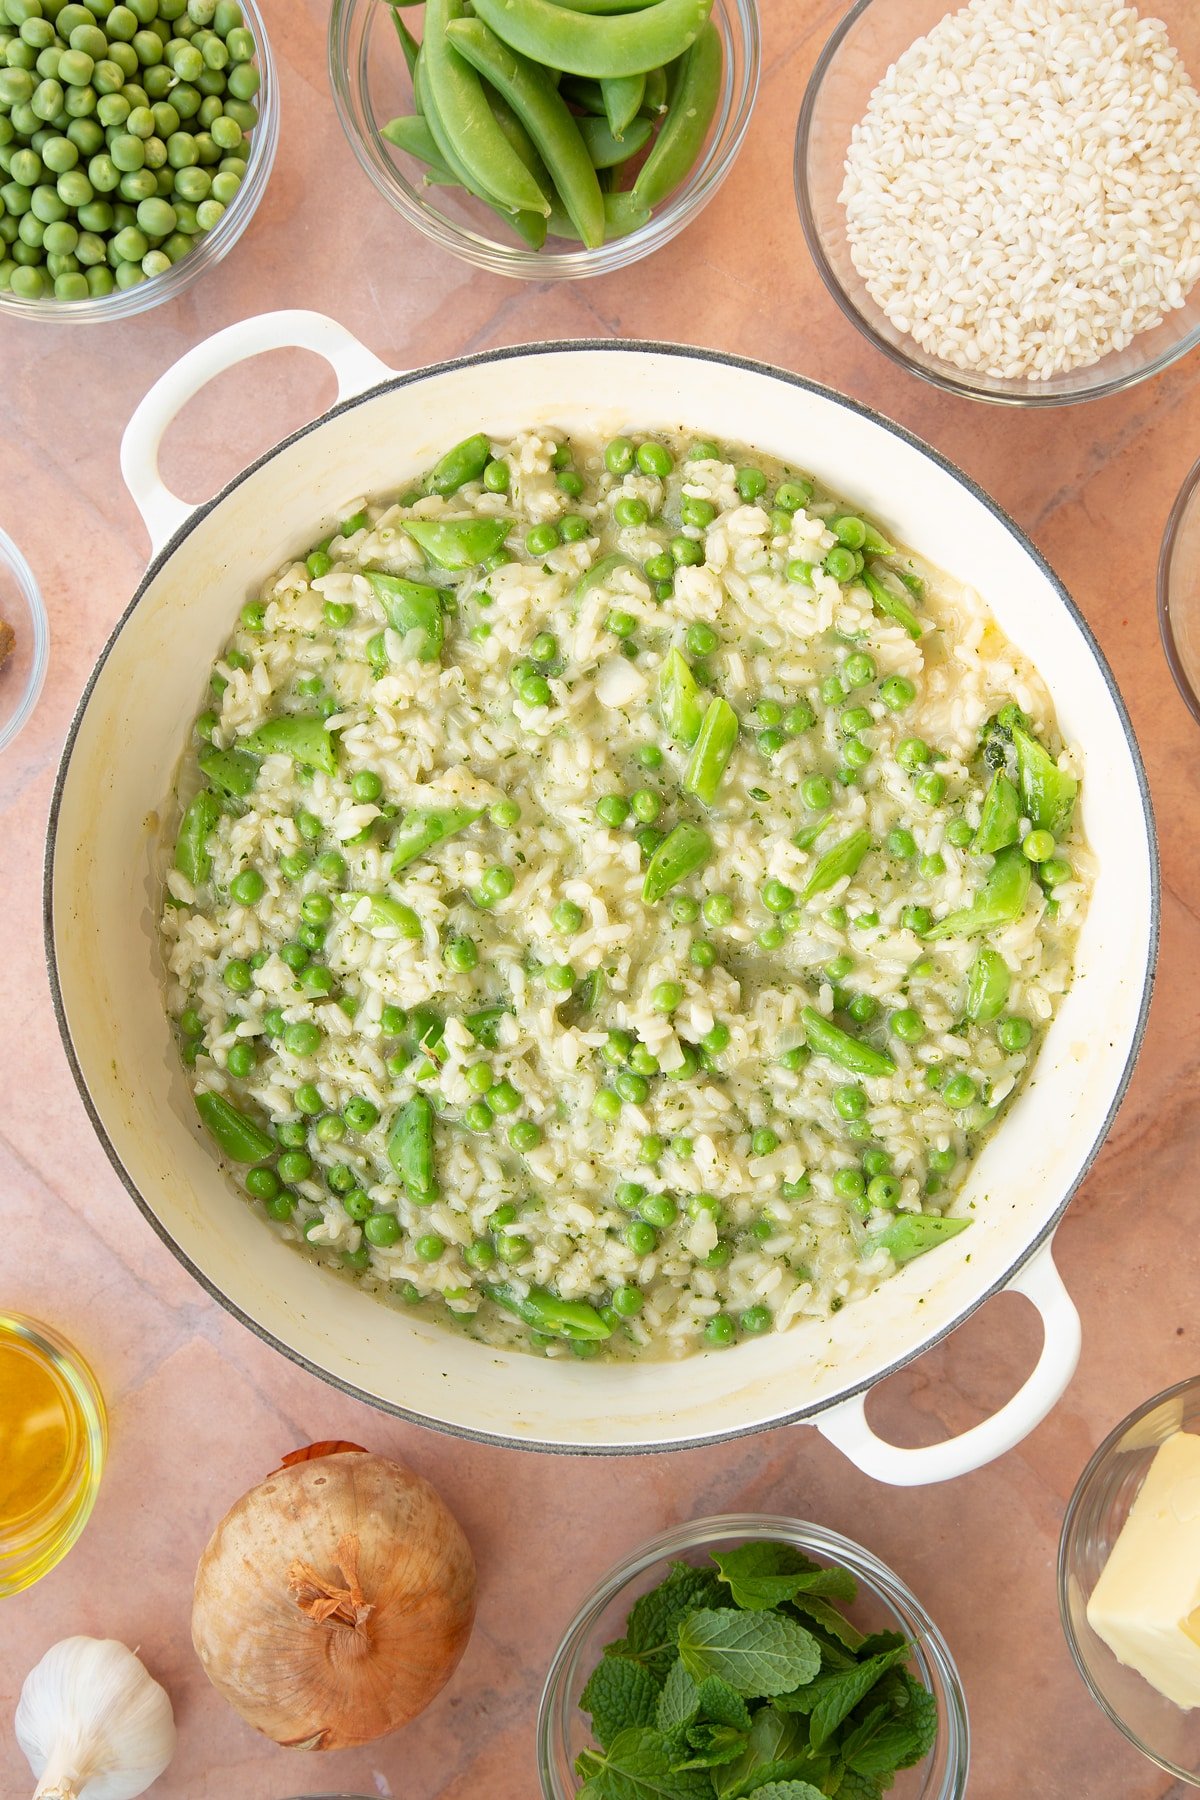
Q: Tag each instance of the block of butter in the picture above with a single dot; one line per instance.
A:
(1146, 1604)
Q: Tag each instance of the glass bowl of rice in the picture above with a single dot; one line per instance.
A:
(371, 85)
(953, 205)
(883, 1603)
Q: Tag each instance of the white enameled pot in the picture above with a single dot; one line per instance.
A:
(102, 899)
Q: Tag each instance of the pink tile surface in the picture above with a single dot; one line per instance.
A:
(200, 1409)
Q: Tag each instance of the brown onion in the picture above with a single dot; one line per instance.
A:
(334, 1601)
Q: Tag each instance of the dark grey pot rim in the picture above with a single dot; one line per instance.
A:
(607, 346)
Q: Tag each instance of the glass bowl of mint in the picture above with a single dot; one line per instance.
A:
(749, 1657)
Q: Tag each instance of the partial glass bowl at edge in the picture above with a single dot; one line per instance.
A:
(214, 245)
(371, 85)
(883, 1604)
(1099, 1507)
(863, 46)
(1179, 593)
(21, 677)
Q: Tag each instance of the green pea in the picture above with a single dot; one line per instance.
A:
(776, 896)
(612, 810)
(717, 909)
(960, 1092)
(702, 954)
(908, 1025)
(630, 510)
(858, 669)
(750, 484)
(930, 788)
(331, 1129)
(902, 843)
(525, 1135)
(667, 996)
(771, 742)
(237, 976)
(303, 1037)
(916, 918)
(862, 1008)
(619, 456)
(559, 978)
(460, 955)
(382, 1230)
(478, 1116)
(295, 1165)
(764, 1141)
(504, 1097)
(505, 814)
(719, 1332)
(248, 887)
(686, 552)
(573, 528)
(833, 691)
(942, 1161)
(606, 1105)
(800, 572)
(1038, 845)
(1014, 1034)
(912, 753)
(932, 866)
(850, 1184)
(331, 866)
(542, 539)
(480, 1254)
(756, 1319)
(850, 1102)
(641, 1237)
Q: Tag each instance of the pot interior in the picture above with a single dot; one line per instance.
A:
(117, 777)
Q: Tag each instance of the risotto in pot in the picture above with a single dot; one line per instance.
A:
(617, 891)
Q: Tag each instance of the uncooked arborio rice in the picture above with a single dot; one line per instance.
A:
(569, 1157)
(1023, 194)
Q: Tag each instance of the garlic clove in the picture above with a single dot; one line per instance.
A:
(93, 1723)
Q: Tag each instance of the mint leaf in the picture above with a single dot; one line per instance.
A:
(880, 1641)
(764, 1575)
(679, 1702)
(821, 1613)
(619, 1693)
(637, 1766)
(776, 1750)
(723, 1704)
(893, 1736)
(654, 1619)
(711, 1745)
(853, 1786)
(788, 1790)
(756, 1653)
(836, 1696)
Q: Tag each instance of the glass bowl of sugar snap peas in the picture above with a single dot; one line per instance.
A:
(546, 139)
(136, 141)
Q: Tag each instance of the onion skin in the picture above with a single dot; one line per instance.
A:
(332, 1683)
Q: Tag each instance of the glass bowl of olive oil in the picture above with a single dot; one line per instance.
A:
(53, 1439)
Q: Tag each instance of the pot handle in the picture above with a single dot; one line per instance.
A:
(846, 1425)
(354, 365)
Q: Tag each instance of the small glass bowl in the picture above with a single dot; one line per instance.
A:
(35, 1541)
(1179, 593)
(212, 246)
(21, 607)
(862, 48)
(1098, 1509)
(883, 1604)
(371, 85)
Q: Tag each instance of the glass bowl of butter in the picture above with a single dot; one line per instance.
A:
(1129, 1578)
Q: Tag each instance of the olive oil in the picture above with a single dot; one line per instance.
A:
(52, 1445)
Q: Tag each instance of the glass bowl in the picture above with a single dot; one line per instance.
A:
(212, 246)
(883, 1604)
(863, 46)
(34, 1540)
(1179, 593)
(21, 677)
(1106, 1490)
(371, 85)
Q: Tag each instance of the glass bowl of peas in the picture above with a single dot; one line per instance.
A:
(136, 141)
(372, 87)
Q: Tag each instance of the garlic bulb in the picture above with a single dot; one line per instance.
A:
(93, 1723)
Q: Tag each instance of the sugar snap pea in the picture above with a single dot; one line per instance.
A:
(410, 1149)
(383, 913)
(192, 857)
(241, 1140)
(414, 611)
(573, 1319)
(408, 42)
(654, 102)
(234, 772)
(531, 93)
(587, 95)
(1047, 791)
(829, 1040)
(595, 44)
(484, 1025)
(465, 462)
(890, 604)
(913, 1234)
(457, 544)
(410, 132)
(606, 6)
(999, 818)
(988, 982)
(598, 575)
(839, 860)
(422, 828)
(457, 95)
(693, 89)
(622, 96)
(679, 700)
(1000, 900)
(685, 849)
(806, 837)
(607, 150)
(623, 213)
(529, 225)
(711, 752)
(302, 736)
